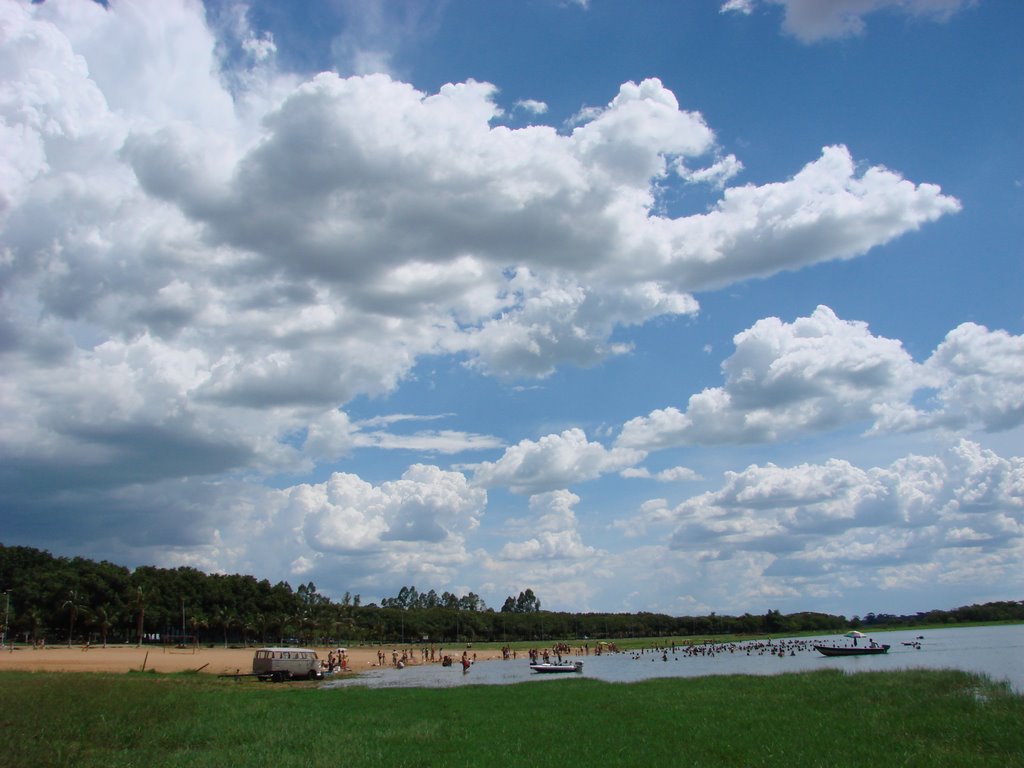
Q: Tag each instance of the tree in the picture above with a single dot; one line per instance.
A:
(104, 618)
(527, 602)
(196, 622)
(139, 605)
(73, 605)
(224, 618)
(472, 602)
(773, 622)
(35, 621)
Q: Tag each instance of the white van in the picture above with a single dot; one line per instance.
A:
(280, 664)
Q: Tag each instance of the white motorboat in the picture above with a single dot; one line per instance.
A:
(562, 666)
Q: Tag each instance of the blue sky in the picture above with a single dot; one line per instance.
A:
(682, 307)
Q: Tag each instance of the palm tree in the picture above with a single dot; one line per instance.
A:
(196, 622)
(248, 625)
(224, 618)
(35, 621)
(139, 601)
(104, 618)
(73, 607)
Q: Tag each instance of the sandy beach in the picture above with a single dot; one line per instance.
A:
(124, 658)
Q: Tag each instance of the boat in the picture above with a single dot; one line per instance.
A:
(866, 650)
(562, 666)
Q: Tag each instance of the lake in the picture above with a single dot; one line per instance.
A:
(997, 652)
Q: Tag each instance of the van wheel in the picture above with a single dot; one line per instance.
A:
(312, 674)
(279, 677)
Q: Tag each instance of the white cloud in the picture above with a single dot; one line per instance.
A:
(373, 33)
(746, 7)
(916, 500)
(835, 527)
(825, 212)
(816, 373)
(814, 20)
(347, 533)
(205, 259)
(565, 323)
(347, 514)
(532, 106)
(555, 532)
(546, 553)
(441, 441)
(821, 372)
(419, 223)
(554, 461)
(652, 513)
(676, 475)
(671, 475)
(717, 174)
(978, 381)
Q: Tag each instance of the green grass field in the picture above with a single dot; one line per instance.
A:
(914, 718)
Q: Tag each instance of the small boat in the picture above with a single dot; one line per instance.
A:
(867, 650)
(564, 666)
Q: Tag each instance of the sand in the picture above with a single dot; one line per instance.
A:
(124, 658)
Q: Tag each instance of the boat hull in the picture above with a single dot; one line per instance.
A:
(576, 666)
(829, 650)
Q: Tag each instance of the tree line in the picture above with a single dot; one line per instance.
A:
(76, 600)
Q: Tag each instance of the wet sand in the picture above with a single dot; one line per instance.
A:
(125, 658)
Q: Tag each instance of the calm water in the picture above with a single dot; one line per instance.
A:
(994, 651)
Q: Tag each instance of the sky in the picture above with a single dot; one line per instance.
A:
(684, 307)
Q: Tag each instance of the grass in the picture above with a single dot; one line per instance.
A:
(826, 718)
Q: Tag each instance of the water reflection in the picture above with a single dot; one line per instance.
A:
(994, 651)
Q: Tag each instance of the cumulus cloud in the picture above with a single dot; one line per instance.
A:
(347, 533)
(264, 239)
(822, 372)
(671, 475)
(816, 373)
(746, 7)
(786, 511)
(815, 20)
(716, 175)
(545, 551)
(826, 211)
(427, 505)
(332, 435)
(977, 378)
(532, 106)
(554, 461)
(554, 527)
(205, 259)
(823, 526)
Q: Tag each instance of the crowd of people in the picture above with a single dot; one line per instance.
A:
(768, 647)
(430, 654)
(426, 654)
(337, 661)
